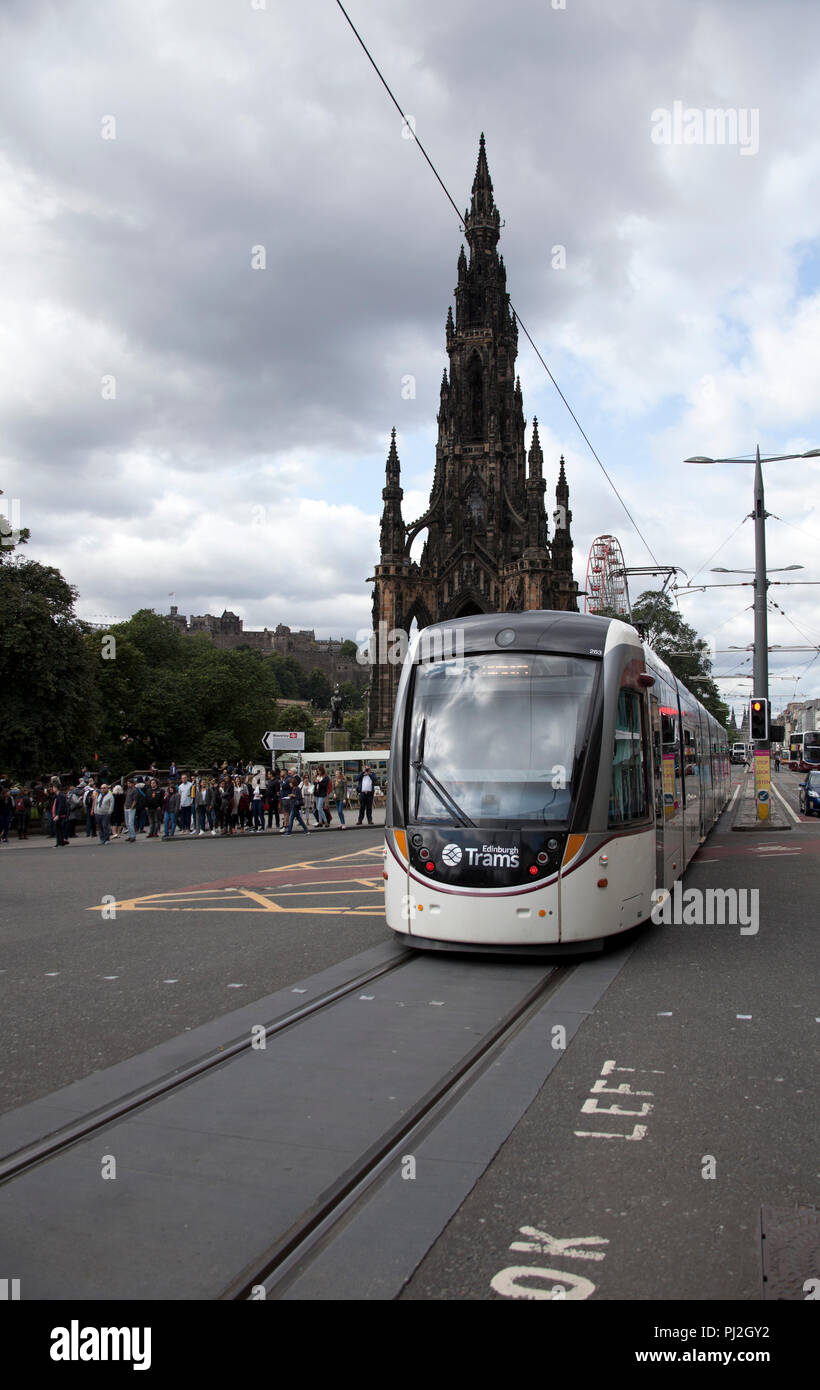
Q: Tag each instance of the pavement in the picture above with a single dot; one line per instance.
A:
(37, 840)
(780, 816)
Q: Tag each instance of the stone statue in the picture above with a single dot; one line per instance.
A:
(336, 709)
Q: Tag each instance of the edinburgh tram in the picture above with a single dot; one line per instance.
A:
(544, 780)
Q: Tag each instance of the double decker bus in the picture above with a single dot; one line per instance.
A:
(804, 751)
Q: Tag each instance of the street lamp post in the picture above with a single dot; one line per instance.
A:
(761, 643)
(760, 681)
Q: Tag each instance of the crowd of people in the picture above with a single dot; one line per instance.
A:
(226, 802)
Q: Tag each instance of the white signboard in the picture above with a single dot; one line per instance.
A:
(286, 742)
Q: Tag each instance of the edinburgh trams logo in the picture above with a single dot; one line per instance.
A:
(490, 856)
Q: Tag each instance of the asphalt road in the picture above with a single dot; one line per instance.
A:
(80, 991)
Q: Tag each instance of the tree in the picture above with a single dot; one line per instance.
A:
(301, 720)
(356, 724)
(49, 702)
(677, 643)
(166, 695)
(319, 690)
(348, 649)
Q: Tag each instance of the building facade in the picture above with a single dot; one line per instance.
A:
(487, 546)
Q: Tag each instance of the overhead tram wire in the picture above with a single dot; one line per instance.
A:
(521, 323)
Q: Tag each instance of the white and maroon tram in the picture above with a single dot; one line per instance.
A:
(547, 773)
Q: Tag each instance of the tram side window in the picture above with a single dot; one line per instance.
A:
(627, 800)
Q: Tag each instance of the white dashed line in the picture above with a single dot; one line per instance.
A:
(743, 1015)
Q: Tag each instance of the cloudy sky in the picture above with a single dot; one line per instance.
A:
(179, 419)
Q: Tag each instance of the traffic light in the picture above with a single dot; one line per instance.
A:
(758, 720)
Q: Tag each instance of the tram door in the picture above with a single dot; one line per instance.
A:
(657, 785)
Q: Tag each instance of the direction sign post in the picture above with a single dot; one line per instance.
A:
(284, 741)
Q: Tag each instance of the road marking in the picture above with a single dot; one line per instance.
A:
(665, 1015)
(792, 813)
(509, 1283)
(743, 1015)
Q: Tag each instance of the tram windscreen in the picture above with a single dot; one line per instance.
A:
(497, 738)
(811, 747)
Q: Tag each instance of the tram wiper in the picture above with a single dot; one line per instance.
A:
(448, 802)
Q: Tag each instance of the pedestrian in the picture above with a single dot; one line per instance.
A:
(88, 805)
(132, 799)
(76, 808)
(258, 807)
(364, 786)
(284, 801)
(153, 805)
(170, 811)
(22, 811)
(118, 814)
(6, 813)
(142, 810)
(59, 815)
(321, 788)
(296, 804)
(103, 806)
(306, 788)
(340, 794)
(186, 795)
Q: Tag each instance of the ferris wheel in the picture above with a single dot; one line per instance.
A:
(606, 585)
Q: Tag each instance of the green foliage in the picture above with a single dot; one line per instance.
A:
(349, 649)
(356, 725)
(292, 717)
(677, 643)
(49, 702)
(164, 695)
(352, 695)
(290, 678)
(319, 689)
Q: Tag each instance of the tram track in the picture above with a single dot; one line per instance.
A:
(256, 1165)
(286, 1256)
(22, 1160)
